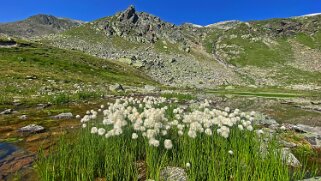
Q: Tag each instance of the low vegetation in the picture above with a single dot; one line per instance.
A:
(37, 72)
(133, 134)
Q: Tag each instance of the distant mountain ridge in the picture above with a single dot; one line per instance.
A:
(38, 25)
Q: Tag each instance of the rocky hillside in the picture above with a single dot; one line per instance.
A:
(271, 52)
(276, 52)
(170, 54)
(38, 25)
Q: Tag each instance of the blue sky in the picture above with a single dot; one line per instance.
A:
(201, 12)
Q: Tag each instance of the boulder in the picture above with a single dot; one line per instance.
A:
(288, 144)
(126, 61)
(307, 129)
(7, 111)
(116, 87)
(150, 88)
(289, 158)
(173, 174)
(64, 116)
(32, 128)
(264, 120)
(23, 117)
(138, 64)
(312, 179)
(31, 77)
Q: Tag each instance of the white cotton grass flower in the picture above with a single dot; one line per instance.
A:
(94, 130)
(154, 142)
(134, 136)
(283, 128)
(84, 125)
(164, 132)
(168, 144)
(224, 131)
(208, 131)
(187, 165)
(101, 131)
(250, 128)
(230, 152)
(259, 132)
(147, 118)
(192, 134)
(78, 117)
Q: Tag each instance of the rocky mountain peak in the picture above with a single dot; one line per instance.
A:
(129, 15)
(43, 19)
(38, 25)
(141, 27)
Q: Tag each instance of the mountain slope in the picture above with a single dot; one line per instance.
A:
(272, 52)
(276, 52)
(38, 25)
(41, 73)
(168, 53)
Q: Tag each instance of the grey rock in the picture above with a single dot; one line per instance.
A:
(314, 140)
(7, 111)
(23, 117)
(288, 144)
(126, 61)
(265, 120)
(31, 77)
(307, 129)
(289, 158)
(150, 88)
(312, 179)
(138, 64)
(116, 87)
(42, 106)
(32, 128)
(173, 174)
(64, 116)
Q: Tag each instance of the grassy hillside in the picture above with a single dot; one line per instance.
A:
(36, 72)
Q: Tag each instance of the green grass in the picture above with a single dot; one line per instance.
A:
(253, 53)
(167, 47)
(259, 54)
(179, 96)
(123, 44)
(91, 156)
(313, 41)
(86, 156)
(209, 41)
(65, 68)
(291, 75)
(268, 92)
(87, 33)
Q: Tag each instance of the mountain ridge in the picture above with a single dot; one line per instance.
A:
(227, 53)
(38, 25)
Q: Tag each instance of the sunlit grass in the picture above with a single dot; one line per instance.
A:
(111, 149)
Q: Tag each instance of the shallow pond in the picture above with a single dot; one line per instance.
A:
(6, 149)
